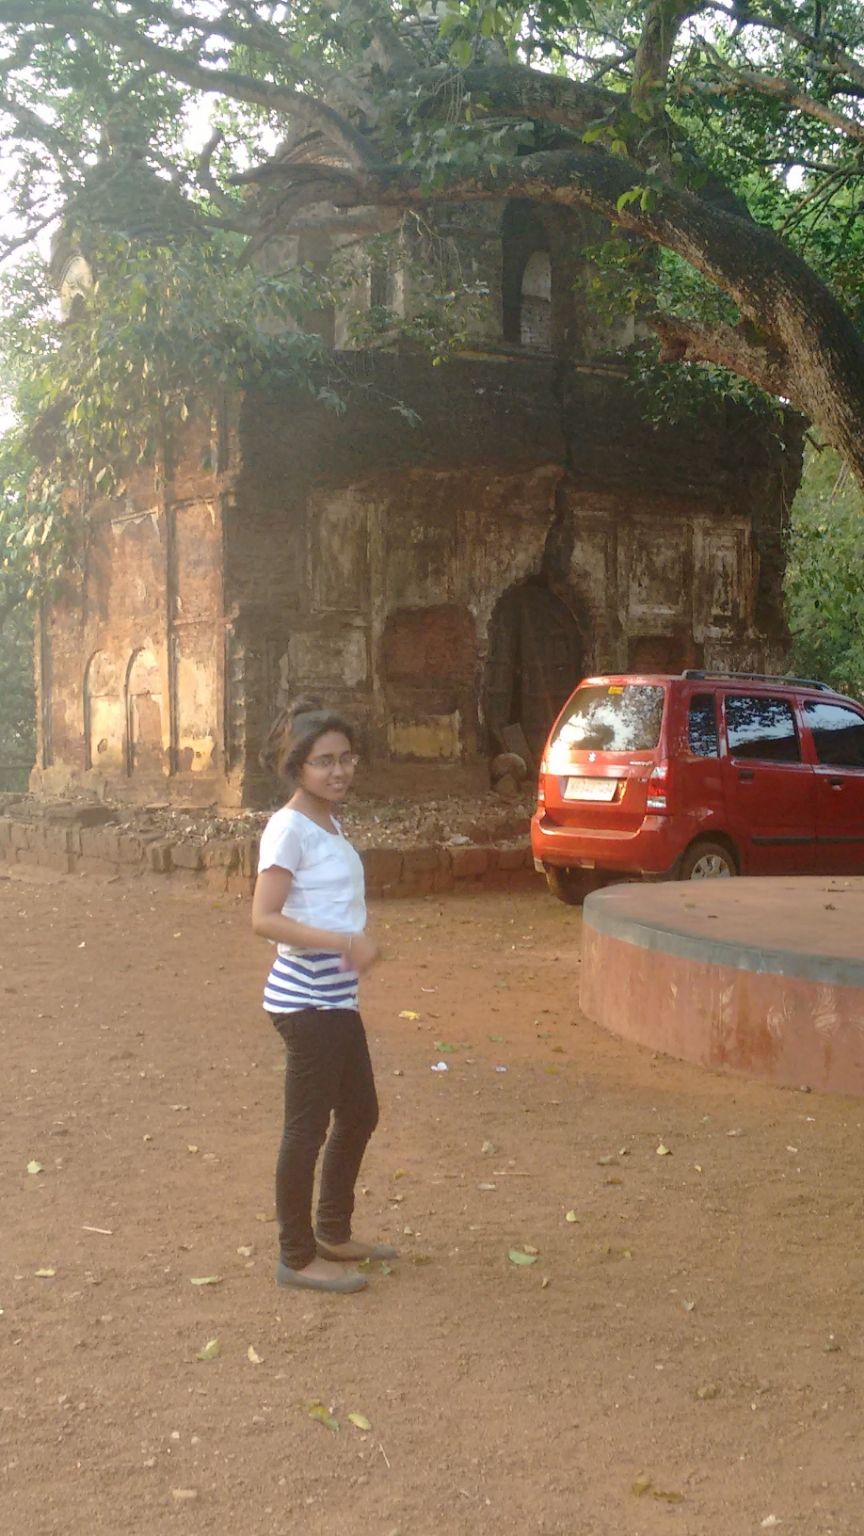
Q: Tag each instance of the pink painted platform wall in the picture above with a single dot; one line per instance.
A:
(786, 1029)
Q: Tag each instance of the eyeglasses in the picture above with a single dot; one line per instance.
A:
(330, 760)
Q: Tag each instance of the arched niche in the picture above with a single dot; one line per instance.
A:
(144, 714)
(525, 253)
(535, 659)
(544, 297)
(104, 715)
(535, 303)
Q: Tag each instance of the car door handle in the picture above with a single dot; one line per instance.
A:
(836, 783)
(746, 773)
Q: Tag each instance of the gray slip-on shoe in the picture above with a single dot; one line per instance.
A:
(370, 1251)
(345, 1283)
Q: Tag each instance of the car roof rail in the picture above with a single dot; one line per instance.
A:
(698, 674)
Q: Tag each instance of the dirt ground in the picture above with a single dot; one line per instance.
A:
(684, 1355)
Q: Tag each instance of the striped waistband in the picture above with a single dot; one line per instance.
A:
(311, 979)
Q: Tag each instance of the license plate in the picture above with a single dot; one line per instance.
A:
(590, 789)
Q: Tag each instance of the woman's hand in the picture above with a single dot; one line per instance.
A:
(361, 953)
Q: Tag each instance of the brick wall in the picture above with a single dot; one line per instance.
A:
(80, 841)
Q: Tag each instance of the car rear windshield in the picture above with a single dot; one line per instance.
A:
(613, 717)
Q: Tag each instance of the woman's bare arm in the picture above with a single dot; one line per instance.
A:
(269, 921)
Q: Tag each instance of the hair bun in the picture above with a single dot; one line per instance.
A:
(305, 707)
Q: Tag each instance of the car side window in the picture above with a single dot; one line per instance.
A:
(702, 726)
(838, 734)
(762, 728)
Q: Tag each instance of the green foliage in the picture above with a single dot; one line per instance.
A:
(673, 392)
(165, 325)
(446, 303)
(825, 575)
(95, 114)
(17, 729)
(164, 328)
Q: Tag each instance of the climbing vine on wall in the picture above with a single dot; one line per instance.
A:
(162, 329)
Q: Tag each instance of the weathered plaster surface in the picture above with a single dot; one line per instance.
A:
(388, 568)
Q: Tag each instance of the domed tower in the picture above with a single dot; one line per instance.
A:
(122, 197)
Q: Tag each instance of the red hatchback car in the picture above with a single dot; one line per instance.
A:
(699, 776)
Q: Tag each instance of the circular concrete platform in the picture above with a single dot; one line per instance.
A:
(762, 976)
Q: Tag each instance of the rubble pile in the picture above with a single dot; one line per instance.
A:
(457, 820)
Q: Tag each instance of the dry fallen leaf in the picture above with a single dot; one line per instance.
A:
(44, 1274)
(211, 1349)
(408, 1013)
(35, 1167)
(252, 1356)
(321, 1415)
(518, 1256)
(205, 1280)
(360, 1420)
(184, 1495)
(571, 1216)
(663, 1151)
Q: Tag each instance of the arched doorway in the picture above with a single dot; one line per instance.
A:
(104, 723)
(146, 751)
(535, 660)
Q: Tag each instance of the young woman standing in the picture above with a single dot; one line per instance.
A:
(309, 900)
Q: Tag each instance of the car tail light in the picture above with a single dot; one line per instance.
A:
(541, 782)
(657, 788)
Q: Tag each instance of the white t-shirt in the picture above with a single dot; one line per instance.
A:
(327, 891)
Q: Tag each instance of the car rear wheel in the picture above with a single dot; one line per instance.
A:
(707, 861)
(571, 885)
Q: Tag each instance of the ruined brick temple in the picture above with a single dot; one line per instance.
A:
(442, 581)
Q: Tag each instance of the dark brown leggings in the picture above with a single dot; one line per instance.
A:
(327, 1071)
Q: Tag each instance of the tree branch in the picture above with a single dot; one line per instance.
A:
(663, 22)
(229, 206)
(728, 346)
(780, 90)
(829, 53)
(799, 342)
(31, 127)
(9, 247)
(178, 65)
